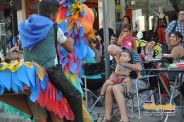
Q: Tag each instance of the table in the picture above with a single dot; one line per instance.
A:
(180, 71)
(153, 59)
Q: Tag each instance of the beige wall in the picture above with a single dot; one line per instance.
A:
(21, 15)
(111, 13)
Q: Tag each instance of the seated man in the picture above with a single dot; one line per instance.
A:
(117, 89)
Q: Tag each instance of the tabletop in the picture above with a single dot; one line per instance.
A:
(179, 70)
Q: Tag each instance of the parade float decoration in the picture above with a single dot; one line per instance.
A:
(76, 21)
(31, 79)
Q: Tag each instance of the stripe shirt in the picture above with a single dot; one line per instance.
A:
(179, 28)
(136, 59)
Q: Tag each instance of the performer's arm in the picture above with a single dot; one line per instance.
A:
(67, 43)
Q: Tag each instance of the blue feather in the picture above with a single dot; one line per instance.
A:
(1, 89)
(44, 83)
(17, 81)
(5, 78)
(23, 76)
(68, 13)
(35, 92)
(83, 50)
(73, 68)
(59, 95)
(31, 73)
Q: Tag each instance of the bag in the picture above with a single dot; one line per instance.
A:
(60, 81)
(53, 74)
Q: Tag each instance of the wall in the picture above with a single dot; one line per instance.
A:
(21, 14)
(28, 7)
(31, 7)
(111, 15)
(94, 4)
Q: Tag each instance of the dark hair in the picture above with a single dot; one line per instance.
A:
(14, 51)
(153, 39)
(114, 35)
(97, 42)
(180, 10)
(47, 7)
(178, 34)
(127, 51)
(127, 18)
(128, 26)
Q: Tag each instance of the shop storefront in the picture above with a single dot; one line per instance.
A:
(8, 22)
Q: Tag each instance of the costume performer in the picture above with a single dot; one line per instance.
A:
(31, 79)
(76, 21)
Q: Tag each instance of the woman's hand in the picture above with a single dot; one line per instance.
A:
(99, 37)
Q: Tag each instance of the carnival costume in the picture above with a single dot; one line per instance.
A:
(76, 21)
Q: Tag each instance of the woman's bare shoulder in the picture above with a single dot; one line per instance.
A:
(177, 51)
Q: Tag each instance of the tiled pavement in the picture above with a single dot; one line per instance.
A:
(98, 115)
(4, 117)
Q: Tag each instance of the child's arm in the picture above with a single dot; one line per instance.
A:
(118, 72)
(120, 39)
(14, 48)
(139, 76)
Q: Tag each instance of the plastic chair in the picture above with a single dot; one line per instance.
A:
(158, 50)
(91, 69)
(138, 92)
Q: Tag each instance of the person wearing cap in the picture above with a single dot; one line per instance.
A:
(38, 42)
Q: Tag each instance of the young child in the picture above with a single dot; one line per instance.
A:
(119, 55)
(15, 55)
(121, 74)
(114, 39)
(125, 38)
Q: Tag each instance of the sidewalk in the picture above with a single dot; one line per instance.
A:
(4, 117)
(99, 112)
(98, 115)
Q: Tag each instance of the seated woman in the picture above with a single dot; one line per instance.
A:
(117, 89)
(149, 48)
(91, 78)
(176, 51)
(177, 48)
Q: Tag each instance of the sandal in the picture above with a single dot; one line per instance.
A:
(106, 120)
(102, 97)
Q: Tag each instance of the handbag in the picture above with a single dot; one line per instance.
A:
(57, 69)
(56, 74)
